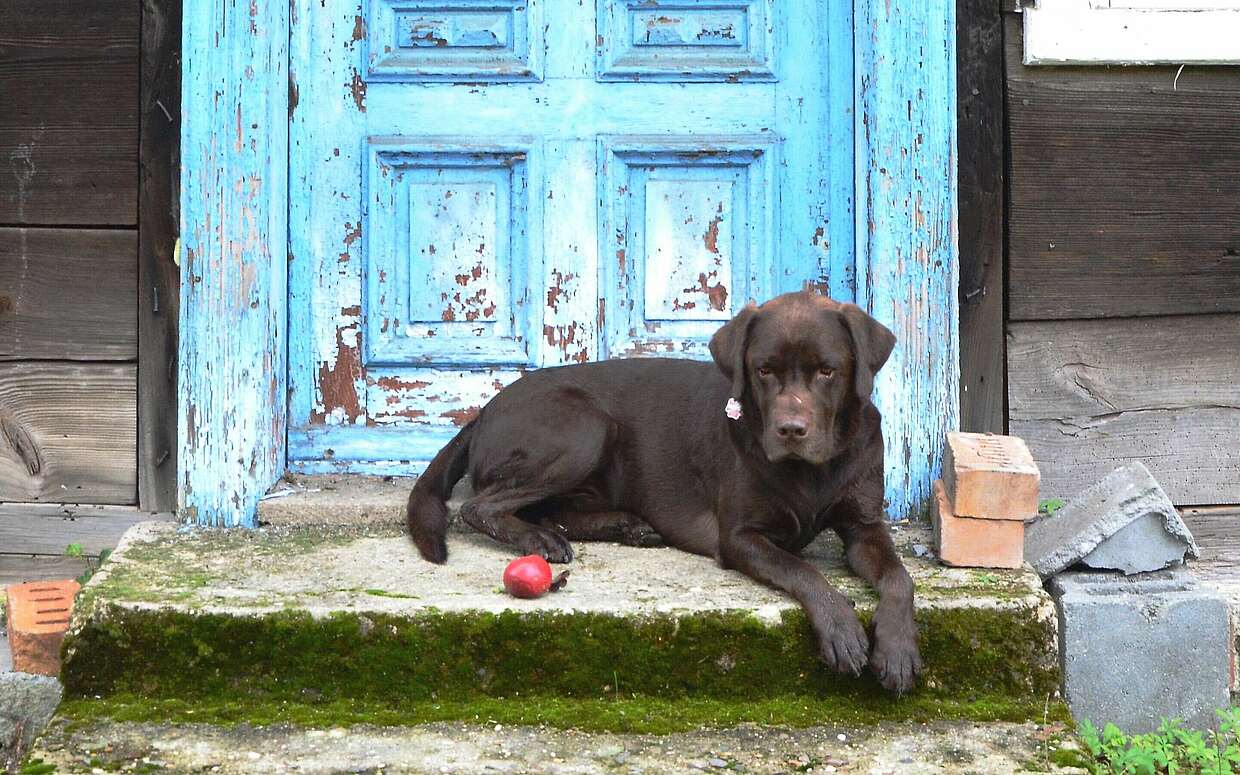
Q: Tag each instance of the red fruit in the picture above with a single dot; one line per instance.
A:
(530, 576)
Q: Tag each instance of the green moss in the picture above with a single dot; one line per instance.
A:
(462, 656)
(1071, 757)
(636, 715)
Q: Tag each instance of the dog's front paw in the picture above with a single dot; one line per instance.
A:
(896, 661)
(842, 640)
(549, 545)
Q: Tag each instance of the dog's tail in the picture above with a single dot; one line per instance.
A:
(427, 515)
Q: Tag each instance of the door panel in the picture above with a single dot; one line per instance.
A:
(482, 187)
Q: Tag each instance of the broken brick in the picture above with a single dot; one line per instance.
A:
(990, 477)
(976, 543)
(38, 617)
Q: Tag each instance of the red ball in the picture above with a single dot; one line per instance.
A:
(528, 576)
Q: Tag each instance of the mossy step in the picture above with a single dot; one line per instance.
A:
(316, 617)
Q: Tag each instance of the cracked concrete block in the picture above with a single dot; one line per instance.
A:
(1128, 511)
(27, 703)
(1136, 649)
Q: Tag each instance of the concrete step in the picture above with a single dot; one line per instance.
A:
(338, 624)
(904, 748)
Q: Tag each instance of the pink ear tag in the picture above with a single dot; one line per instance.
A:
(733, 409)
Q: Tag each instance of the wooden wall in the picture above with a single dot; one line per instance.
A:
(68, 250)
(89, 121)
(1123, 334)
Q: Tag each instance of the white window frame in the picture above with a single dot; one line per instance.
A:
(1132, 32)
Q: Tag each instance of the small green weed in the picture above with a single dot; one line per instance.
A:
(75, 550)
(1050, 506)
(1172, 749)
(37, 767)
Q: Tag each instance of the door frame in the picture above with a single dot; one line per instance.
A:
(233, 348)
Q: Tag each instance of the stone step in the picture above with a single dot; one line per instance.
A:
(904, 748)
(349, 618)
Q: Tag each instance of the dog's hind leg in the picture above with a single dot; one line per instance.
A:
(493, 513)
(621, 527)
(518, 461)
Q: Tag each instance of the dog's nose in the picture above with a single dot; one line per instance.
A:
(792, 428)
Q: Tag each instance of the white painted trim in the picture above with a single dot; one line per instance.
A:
(1204, 32)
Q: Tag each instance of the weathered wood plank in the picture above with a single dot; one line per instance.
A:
(232, 355)
(159, 301)
(908, 272)
(1125, 186)
(69, 127)
(979, 84)
(68, 432)
(1217, 531)
(1089, 394)
(68, 294)
(18, 569)
(45, 528)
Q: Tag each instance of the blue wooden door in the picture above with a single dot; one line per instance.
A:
(482, 187)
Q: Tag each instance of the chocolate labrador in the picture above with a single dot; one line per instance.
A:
(746, 460)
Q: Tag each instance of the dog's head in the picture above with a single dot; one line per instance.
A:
(798, 365)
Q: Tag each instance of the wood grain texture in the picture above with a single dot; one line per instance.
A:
(1217, 532)
(1088, 395)
(67, 432)
(908, 272)
(69, 125)
(18, 569)
(980, 84)
(158, 276)
(45, 528)
(68, 294)
(232, 353)
(1125, 190)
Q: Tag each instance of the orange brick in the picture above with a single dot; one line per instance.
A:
(38, 616)
(976, 543)
(990, 477)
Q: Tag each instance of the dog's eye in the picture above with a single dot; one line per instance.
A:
(826, 373)
(763, 371)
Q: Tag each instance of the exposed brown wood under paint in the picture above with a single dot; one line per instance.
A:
(1125, 190)
(159, 278)
(69, 123)
(68, 294)
(46, 528)
(980, 127)
(69, 432)
(1089, 394)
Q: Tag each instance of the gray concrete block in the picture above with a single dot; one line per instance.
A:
(27, 703)
(1135, 649)
(1140, 546)
(1127, 495)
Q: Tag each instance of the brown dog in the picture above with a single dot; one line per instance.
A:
(746, 462)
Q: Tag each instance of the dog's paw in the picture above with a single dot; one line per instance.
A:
(843, 642)
(896, 662)
(549, 545)
(642, 535)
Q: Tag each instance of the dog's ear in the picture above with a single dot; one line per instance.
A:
(872, 345)
(727, 347)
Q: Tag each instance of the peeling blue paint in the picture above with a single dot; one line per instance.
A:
(232, 369)
(823, 144)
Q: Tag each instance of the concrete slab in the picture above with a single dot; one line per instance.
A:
(1126, 495)
(26, 705)
(909, 749)
(327, 609)
(1136, 649)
